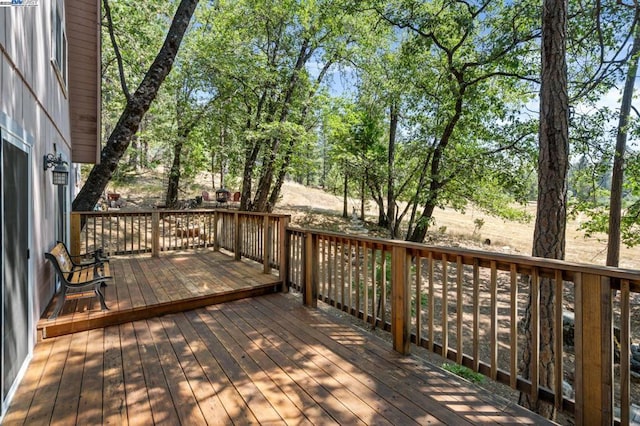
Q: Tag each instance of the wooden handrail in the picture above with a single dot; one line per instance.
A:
(434, 287)
(257, 236)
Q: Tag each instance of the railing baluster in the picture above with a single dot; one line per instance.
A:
(374, 284)
(330, 270)
(459, 309)
(558, 343)
(494, 320)
(445, 306)
(625, 352)
(513, 373)
(476, 314)
(383, 305)
(365, 281)
(349, 283)
(357, 278)
(431, 302)
(418, 299)
(535, 336)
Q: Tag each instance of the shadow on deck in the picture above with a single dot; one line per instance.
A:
(263, 360)
(145, 287)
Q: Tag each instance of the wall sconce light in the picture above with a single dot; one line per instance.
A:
(60, 171)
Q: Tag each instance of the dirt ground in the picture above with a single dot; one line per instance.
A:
(307, 205)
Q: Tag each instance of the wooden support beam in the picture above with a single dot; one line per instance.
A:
(216, 235)
(285, 253)
(155, 234)
(76, 228)
(237, 237)
(400, 300)
(594, 350)
(267, 243)
(310, 286)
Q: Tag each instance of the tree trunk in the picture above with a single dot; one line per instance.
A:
(422, 224)
(134, 111)
(362, 195)
(420, 230)
(345, 194)
(617, 176)
(391, 194)
(550, 226)
(171, 200)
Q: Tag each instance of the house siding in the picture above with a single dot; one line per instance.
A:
(83, 33)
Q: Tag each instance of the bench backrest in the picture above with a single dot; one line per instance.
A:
(61, 255)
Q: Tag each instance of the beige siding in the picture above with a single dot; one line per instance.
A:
(84, 78)
(35, 101)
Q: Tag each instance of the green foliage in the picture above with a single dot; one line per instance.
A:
(305, 89)
(464, 372)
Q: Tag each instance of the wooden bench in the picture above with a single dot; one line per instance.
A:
(92, 272)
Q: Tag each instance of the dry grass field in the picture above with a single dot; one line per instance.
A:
(308, 205)
(316, 208)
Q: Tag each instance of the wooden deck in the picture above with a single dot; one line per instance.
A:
(145, 287)
(262, 360)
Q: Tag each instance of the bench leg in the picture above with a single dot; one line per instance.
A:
(98, 291)
(60, 303)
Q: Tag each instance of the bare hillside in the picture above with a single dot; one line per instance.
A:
(310, 205)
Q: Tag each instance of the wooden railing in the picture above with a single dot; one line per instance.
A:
(255, 236)
(469, 307)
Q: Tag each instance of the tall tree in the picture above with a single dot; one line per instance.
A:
(615, 199)
(136, 106)
(553, 164)
(475, 64)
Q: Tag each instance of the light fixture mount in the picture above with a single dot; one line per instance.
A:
(60, 170)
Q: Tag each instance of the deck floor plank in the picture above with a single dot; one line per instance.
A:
(90, 405)
(203, 391)
(162, 407)
(260, 360)
(144, 287)
(135, 386)
(117, 295)
(259, 370)
(348, 374)
(355, 405)
(197, 334)
(149, 269)
(314, 400)
(49, 384)
(182, 396)
(132, 284)
(115, 409)
(31, 383)
(253, 398)
(65, 409)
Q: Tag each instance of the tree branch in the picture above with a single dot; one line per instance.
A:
(116, 49)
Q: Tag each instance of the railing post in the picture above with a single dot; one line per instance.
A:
(216, 242)
(237, 249)
(76, 228)
(285, 253)
(310, 286)
(155, 233)
(594, 356)
(400, 300)
(267, 235)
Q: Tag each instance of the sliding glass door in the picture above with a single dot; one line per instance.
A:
(14, 261)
